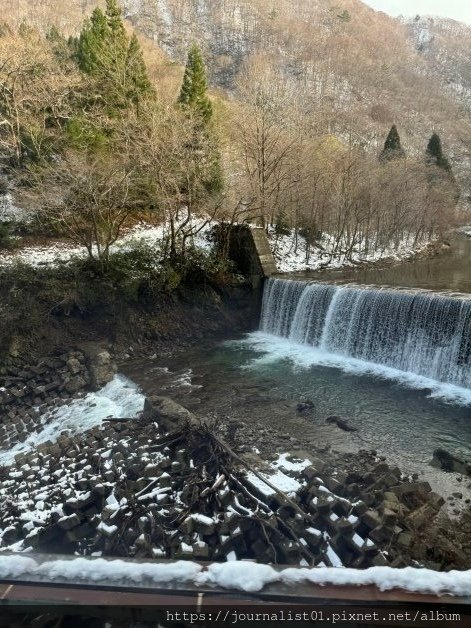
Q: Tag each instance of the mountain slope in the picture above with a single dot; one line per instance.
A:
(358, 70)
(355, 69)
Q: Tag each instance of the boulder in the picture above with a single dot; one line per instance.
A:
(169, 414)
(75, 384)
(446, 461)
(371, 519)
(73, 365)
(102, 370)
(305, 407)
(341, 423)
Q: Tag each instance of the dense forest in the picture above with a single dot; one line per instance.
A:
(98, 131)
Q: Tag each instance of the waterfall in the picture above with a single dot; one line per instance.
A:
(422, 333)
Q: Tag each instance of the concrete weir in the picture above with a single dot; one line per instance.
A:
(419, 333)
(250, 250)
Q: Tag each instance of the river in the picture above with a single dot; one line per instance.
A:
(449, 271)
(403, 408)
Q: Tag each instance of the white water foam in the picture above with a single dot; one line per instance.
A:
(275, 348)
(119, 399)
(421, 340)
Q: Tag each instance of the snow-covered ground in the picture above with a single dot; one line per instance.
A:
(60, 252)
(9, 212)
(291, 256)
(280, 477)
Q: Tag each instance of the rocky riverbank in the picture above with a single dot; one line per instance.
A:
(45, 313)
(28, 394)
(167, 485)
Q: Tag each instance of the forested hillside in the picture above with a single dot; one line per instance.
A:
(357, 65)
(303, 97)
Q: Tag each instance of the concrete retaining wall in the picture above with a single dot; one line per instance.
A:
(250, 250)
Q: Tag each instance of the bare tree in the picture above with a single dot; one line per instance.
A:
(90, 199)
(175, 161)
(264, 136)
(34, 96)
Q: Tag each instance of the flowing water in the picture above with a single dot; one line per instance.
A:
(416, 334)
(394, 363)
(120, 398)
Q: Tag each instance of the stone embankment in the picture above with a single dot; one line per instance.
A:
(27, 392)
(166, 485)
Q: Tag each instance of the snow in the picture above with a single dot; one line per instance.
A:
(290, 259)
(240, 575)
(202, 519)
(290, 465)
(158, 493)
(9, 212)
(119, 399)
(281, 481)
(108, 530)
(98, 570)
(334, 559)
(60, 252)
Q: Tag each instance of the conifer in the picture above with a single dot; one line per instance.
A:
(91, 41)
(434, 153)
(193, 96)
(137, 71)
(194, 88)
(392, 146)
(105, 51)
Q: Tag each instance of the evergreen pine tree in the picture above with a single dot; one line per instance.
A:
(392, 146)
(91, 42)
(105, 52)
(137, 71)
(440, 174)
(434, 153)
(194, 98)
(118, 40)
(194, 88)
(114, 18)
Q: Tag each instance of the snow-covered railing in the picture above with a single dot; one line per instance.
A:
(383, 584)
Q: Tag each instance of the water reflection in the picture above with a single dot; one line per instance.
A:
(450, 271)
